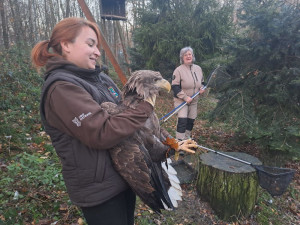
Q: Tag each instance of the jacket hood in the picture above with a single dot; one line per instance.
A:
(56, 63)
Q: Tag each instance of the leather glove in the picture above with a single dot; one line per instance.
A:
(151, 100)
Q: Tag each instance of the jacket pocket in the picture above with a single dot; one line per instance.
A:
(101, 166)
(87, 162)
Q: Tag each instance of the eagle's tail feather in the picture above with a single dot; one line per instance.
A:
(159, 196)
(175, 194)
(163, 192)
(170, 169)
(176, 186)
(175, 191)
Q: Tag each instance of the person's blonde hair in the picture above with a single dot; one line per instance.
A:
(65, 30)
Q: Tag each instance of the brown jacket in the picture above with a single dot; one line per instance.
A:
(81, 131)
(187, 80)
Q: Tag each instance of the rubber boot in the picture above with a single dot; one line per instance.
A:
(180, 136)
(188, 134)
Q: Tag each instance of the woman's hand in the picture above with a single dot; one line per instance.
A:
(202, 91)
(189, 100)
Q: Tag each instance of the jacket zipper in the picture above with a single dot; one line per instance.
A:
(194, 81)
(196, 76)
(100, 86)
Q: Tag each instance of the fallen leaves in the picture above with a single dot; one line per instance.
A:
(80, 221)
(63, 207)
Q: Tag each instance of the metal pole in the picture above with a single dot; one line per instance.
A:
(225, 155)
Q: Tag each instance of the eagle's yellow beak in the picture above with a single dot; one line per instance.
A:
(163, 84)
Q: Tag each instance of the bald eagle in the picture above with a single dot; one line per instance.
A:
(139, 159)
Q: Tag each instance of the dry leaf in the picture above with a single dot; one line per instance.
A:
(2, 218)
(80, 221)
(63, 207)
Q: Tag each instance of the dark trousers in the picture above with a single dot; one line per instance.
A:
(117, 211)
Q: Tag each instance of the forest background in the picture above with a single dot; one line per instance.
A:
(256, 42)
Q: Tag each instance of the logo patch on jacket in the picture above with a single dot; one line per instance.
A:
(76, 121)
(81, 117)
(112, 90)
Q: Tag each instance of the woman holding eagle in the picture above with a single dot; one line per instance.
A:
(83, 133)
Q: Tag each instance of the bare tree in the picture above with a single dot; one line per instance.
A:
(67, 8)
(15, 22)
(30, 21)
(4, 25)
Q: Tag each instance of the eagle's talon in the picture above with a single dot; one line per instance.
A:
(187, 146)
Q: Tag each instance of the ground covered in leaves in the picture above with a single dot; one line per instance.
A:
(268, 210)
(32, 190)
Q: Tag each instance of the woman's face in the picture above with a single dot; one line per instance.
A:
(83, 52)
(188, 58)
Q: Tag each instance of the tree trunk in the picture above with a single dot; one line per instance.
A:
(47, 20)
(15, 23)
(40, 25)
(51, 14)
(115, 40)
(122, 39)
(229, 186)
(30, 24)
(4, 25)
(57, 9)
(103, 25)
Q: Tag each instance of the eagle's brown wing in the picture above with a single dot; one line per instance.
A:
(132, 160)
(130, 164)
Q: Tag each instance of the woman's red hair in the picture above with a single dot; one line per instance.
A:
(66, 30)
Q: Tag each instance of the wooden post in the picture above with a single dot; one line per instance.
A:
(228, 185)
(104, 30)
(103, 43)
(122, 39)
